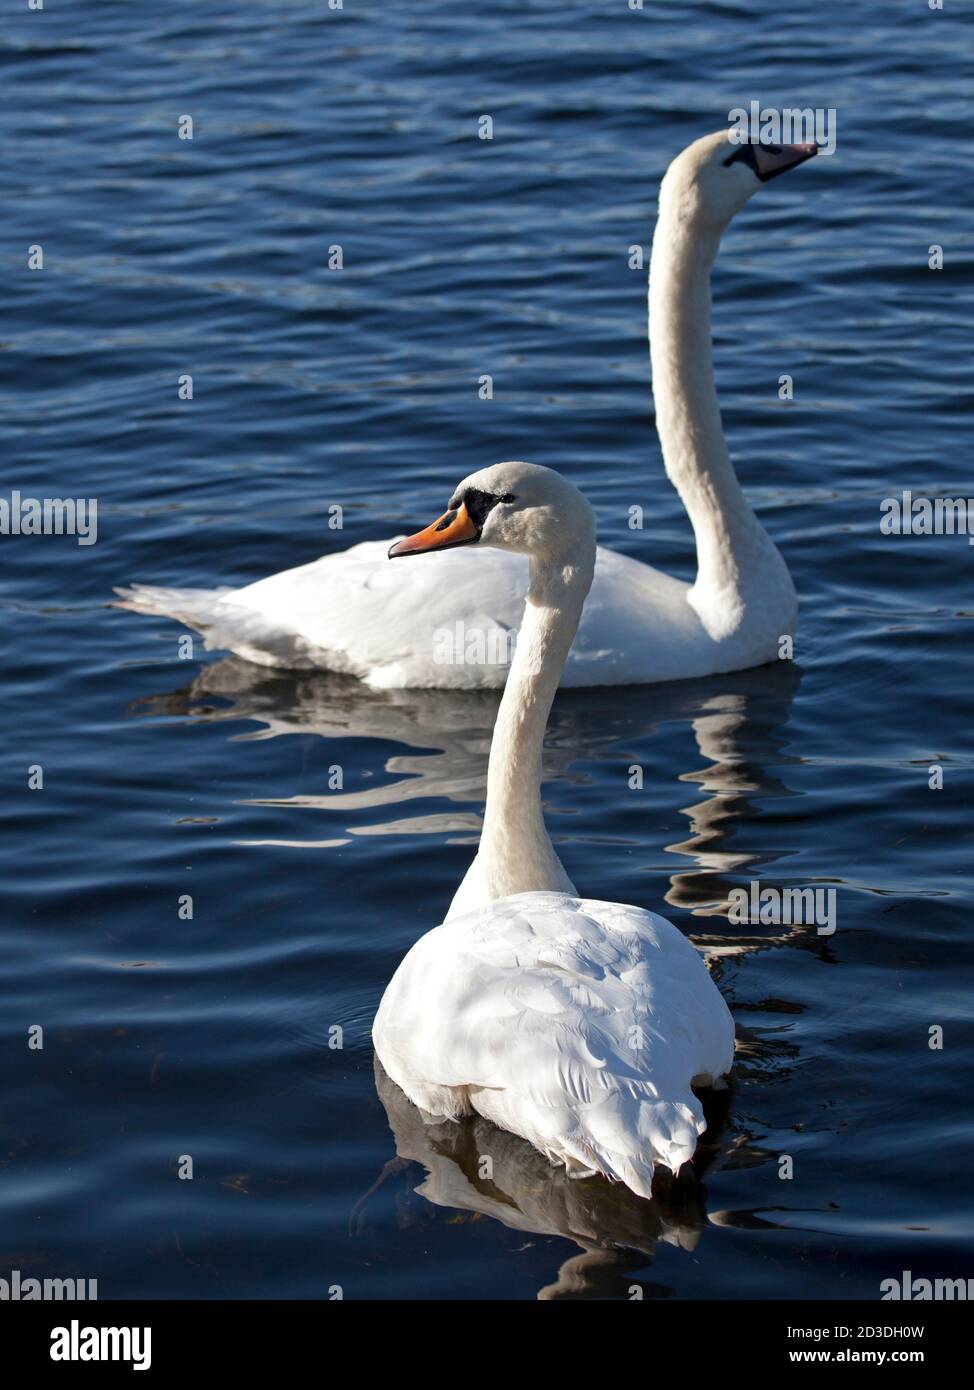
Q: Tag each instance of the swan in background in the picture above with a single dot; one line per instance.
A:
(354, 612)
(577, 1024)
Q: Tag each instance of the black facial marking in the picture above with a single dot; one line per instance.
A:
(746, 154)
(447, 519)
(479, 504)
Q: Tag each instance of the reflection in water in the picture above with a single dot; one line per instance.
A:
(455, 725)
(739, 732)
(617, 1232)
(735, 720)
(737, 723)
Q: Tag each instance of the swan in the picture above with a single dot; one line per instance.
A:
(575, 1023)
(451, 625)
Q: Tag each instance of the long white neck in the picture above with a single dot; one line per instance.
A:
(516, 855)
(687, 411)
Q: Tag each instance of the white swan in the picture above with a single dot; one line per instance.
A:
(577, 1024)
(354, 612)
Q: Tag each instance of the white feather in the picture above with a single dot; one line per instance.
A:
(577, 1024)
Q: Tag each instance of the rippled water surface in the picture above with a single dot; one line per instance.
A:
(162, 777)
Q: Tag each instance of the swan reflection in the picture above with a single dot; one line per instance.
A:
(735, 721)
(471, 1166)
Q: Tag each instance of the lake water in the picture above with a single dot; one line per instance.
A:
(210, 1037)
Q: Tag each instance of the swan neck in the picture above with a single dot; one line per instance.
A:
(514, 840)
(687, 410)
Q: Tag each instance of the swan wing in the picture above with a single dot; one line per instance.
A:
(574, 1023)
(390, 623)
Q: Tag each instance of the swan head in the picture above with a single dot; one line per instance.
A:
(713, 178)
(521, 507)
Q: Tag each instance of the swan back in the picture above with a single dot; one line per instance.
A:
(575, 1023)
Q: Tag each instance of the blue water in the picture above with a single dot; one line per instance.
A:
(210, 1037)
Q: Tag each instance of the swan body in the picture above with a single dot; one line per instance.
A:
(578, 1024)
(354, 612)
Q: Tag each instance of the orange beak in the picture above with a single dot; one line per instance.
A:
(453, 528)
